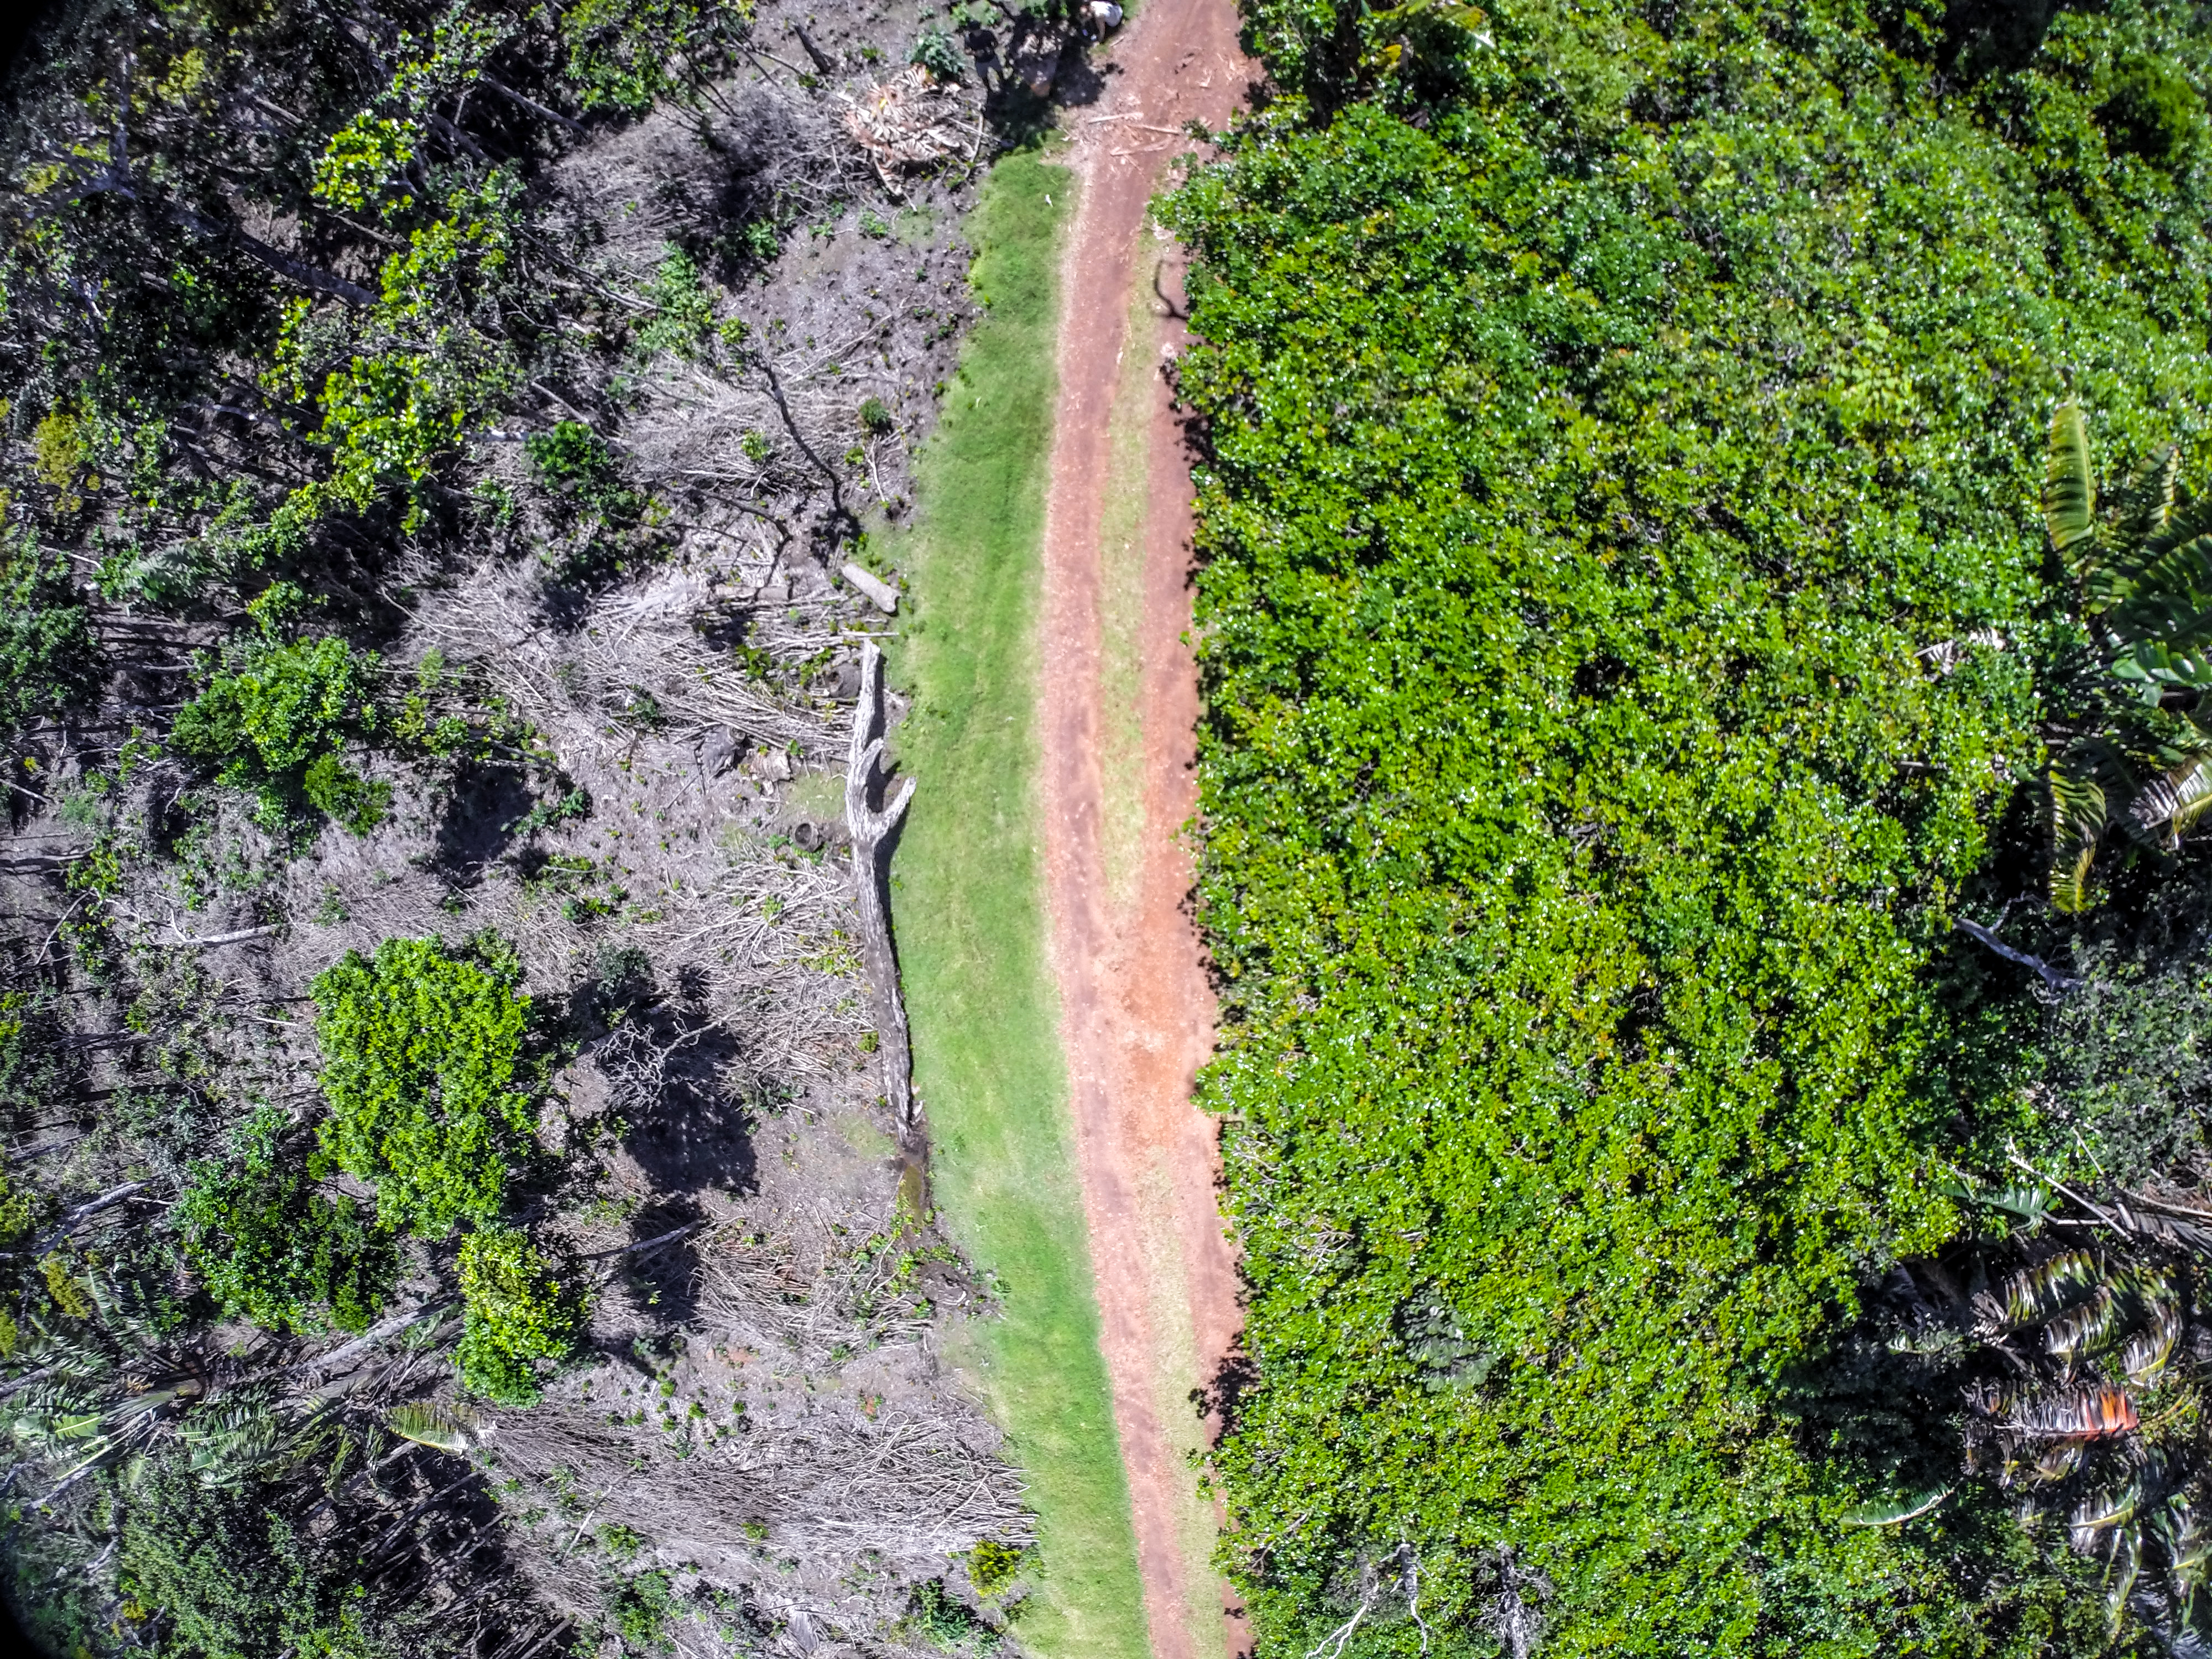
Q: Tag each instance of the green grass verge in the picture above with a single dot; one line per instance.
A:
(968, 905)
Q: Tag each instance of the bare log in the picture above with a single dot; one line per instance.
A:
(869, 829)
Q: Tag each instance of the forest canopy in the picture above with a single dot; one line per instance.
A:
(1633, 647)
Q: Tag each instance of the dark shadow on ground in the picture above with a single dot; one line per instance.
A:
(483, 811)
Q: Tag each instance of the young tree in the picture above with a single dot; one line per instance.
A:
(270, 1246)
(423, 1068)
(521, 1306)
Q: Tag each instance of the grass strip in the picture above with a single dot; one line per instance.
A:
(968, 905)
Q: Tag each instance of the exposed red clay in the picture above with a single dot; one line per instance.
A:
(1138, 1013)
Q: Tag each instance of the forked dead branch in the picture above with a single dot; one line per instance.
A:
(870, 828)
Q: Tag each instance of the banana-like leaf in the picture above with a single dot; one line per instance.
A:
(1893, 1511)
(2154, 666)
(2069, 487)
(427, 1426)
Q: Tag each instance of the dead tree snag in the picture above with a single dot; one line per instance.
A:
(870, 827)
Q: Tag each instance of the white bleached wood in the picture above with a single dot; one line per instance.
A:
(870, 827)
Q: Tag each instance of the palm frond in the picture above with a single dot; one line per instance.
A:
(2079, 1330)
(2173, 801)
(2051, 1287)
(1893, 1511)
(2108, 1508)
(2146, 501)
(2148, 1350)
(427, 1426)
(2069, 881)
(2076, 1414)
(2033, 1202)
(2126, 1566)
(2060, 1459)
(2188, 1544)
(2070, 486)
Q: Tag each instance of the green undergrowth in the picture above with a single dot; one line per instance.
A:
(1624, 618)
(968, 904)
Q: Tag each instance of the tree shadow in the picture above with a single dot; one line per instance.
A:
(689, 1130)
(1984, 37)
(1219, 1399)
(483, 806)
(676, 1083)
(663, 1278)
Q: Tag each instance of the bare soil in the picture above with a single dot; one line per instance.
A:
(1137, 1018)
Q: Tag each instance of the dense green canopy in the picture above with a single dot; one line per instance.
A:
(1625, 612)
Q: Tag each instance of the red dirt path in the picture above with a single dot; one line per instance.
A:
(1138, 1014)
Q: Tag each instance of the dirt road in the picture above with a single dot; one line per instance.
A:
(1120, 704)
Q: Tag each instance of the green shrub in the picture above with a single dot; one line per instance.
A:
(941, 1622)
(423, 1068)
(335, 789)
(570, 458)
(641, 1609)
(622, 53)
(519, 1306)
(272, 710)
(683, 312)
(2155, 110)
(34, 1068)
(268, 1247)
(992, 1567)
(875, 419)
(1623, 620)
(760, 240)
(935, 53)
(49, 660)
(224, 1575)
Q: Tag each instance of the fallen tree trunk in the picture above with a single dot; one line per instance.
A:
(870, 827)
